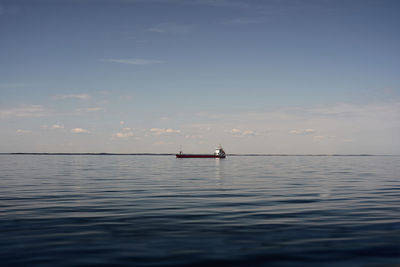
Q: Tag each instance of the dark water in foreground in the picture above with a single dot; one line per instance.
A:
(158, 210)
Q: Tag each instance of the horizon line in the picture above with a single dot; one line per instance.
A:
(169, 154)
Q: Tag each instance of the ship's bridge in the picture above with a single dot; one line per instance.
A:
(219, 151)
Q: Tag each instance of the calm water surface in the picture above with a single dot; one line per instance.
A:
(239, 211)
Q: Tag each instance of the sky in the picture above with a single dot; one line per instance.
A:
(156, 76)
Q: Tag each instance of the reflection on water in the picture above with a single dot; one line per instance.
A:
(219, 170)
(159, 210)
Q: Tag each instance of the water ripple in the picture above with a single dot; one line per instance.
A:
(241, 211)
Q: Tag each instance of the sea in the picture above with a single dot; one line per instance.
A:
(157, 210)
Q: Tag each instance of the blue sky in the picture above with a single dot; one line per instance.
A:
(273, 76)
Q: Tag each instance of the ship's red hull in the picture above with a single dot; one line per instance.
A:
(198, 156)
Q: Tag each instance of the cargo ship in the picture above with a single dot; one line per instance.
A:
(219, 153)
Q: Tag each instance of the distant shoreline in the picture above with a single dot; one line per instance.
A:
(172, 154)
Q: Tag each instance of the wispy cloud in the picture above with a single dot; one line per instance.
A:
(57, 126)
(173, 28)
(133, 61)
(159, 131)
(122, 135)
(302, 131)
(79, 131)
(241, 133)
(24, 112)
(74, 96)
